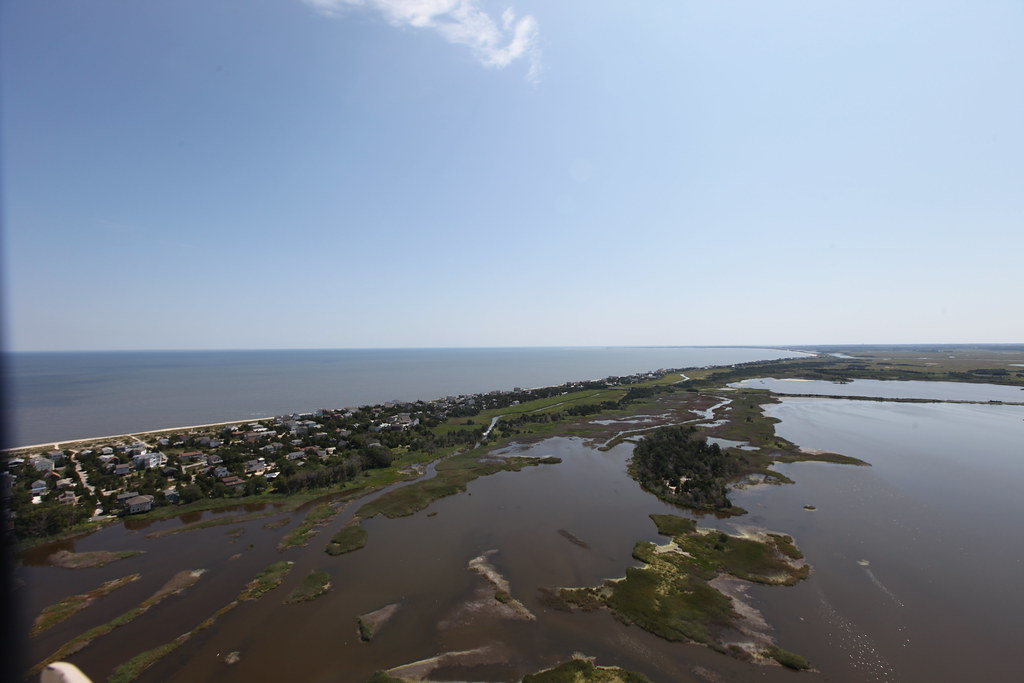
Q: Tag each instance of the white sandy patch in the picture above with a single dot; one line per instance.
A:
(671, 547)
(486, 601)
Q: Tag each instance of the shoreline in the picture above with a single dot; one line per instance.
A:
(135, 434)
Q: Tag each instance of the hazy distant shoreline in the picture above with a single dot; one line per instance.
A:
(59, 397)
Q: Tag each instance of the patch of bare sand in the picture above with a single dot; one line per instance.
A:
(751, 630)
(499, 600)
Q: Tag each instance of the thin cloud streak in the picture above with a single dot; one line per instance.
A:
(461, 22)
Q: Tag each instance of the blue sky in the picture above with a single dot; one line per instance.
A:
(418, 173)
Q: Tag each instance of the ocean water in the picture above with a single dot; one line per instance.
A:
(54, 397)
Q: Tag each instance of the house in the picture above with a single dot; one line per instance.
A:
(295, 455)
(172, 496)
(220, 472)
(56, 456)
(138, 504)
(107, 450)
(233, 482)
(38, 487)
(42, 464)
(214, 460)
(67, 498)
(148, 461)
(122, 470)
(252, 437)
(190, 456)
(256, 467)
(63, 483)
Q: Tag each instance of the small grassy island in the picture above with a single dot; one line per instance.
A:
(674, 595)
(351, 537)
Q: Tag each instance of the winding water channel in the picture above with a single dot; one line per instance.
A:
(916, 562)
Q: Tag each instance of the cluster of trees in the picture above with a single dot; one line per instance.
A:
(47, 519)
(675, 465)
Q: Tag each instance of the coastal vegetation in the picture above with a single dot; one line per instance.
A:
(788, 659)
(453, 474)
(672, 594)
(73, 604)
(178, 583)
(89, 560)
(266, 581)
(312, 587)
(585, 671)
(315, 518)
(351, 537)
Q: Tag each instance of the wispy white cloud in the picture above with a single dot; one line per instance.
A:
(496, 44)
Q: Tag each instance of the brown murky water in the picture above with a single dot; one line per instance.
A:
(915, 611)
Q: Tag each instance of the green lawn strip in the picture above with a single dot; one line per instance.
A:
(312, 587)
(671, 595)
(88, 560)
(71, 605)
(452, 477)
(264, 582)
(351, 537)
(584, 671)
(180, 582)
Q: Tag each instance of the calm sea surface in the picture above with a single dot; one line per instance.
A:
(64, 396)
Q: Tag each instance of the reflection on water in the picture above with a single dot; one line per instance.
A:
(190, 517)
(40, 554)
(136, 524)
